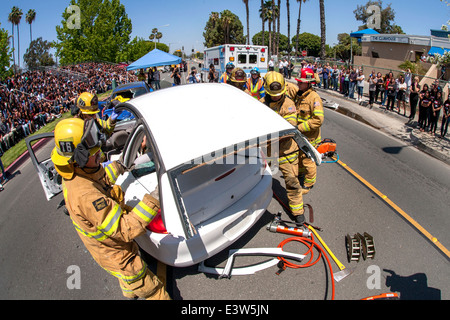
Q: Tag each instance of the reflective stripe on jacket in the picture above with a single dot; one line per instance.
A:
(285, 107)
(257, 90)
(105, 224)
(310, 115)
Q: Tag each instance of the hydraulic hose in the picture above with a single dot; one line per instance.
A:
(311, 244)
(334, 160)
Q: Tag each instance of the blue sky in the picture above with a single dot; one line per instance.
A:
(182, 22)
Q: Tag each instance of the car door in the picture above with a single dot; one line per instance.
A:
(50, 179)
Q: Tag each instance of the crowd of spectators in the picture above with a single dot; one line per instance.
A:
(30, 100)
(393, 93)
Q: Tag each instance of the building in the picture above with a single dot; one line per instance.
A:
(385, 52)
(402, 47)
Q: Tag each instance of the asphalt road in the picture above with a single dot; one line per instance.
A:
(40, 252)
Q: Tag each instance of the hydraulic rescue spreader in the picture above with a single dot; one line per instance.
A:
(282, 226)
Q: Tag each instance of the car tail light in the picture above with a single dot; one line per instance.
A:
(226, 174)
(263, 59)
(248, 48)
(157, 224)
(231, 49)
(263, 49)
(231, 58)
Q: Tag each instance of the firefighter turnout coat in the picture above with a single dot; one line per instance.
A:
(310, 119)
(107, 226)
(310, 114)
(289, 153)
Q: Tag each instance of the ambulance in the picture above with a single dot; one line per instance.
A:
(242, 56)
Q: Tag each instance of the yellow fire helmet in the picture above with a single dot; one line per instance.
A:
(88, 103)
(69, 133)
(238, 75)
(274, 84)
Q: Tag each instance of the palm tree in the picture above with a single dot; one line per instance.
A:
(322, 29)
(278, 26)
(215, 18)
(154, 35)
(298, 23)
(262, 14)
(226, 20)
(159, 35)
(29, 18)
(248, 27)
(274, 18)
(14, 17)
(289, 29)
(268, 16)
(11, 19)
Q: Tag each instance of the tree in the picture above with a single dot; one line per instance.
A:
(223, 28)
(387, 16)
(226, 21)
(29, 18)
(289, 28)
(309, 42)
(262, 16)
(137, 48)
(248, 27)
(278, 27)
(344, 46)
(156, 35)
(104, 32)
(323, 33)
(284, 41)
(14, 17)
(298, 23)
(38, 54)
(270, 14)
(11, 19)
(5, 54)
(275, 15)
(159, 35)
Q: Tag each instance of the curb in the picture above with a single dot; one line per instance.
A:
(20, 160)
(417, 142)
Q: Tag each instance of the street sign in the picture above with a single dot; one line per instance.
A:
(304, 53)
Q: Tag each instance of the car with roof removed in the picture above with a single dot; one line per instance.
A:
(207, 157)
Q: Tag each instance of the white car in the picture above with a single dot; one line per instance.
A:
(205, 151)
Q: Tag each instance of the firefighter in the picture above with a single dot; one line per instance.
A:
(87, 104)
(310, 117)
(255, 84)
(96, 206)
(238, 79)
(288, 161)
(224, 77)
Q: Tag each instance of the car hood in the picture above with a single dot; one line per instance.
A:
(194, 120)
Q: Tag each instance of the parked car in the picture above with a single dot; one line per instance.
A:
(166, 69)
(207, 156)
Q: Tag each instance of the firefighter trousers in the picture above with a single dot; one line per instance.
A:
(293, 187)
(149, 287)
(308, 170)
